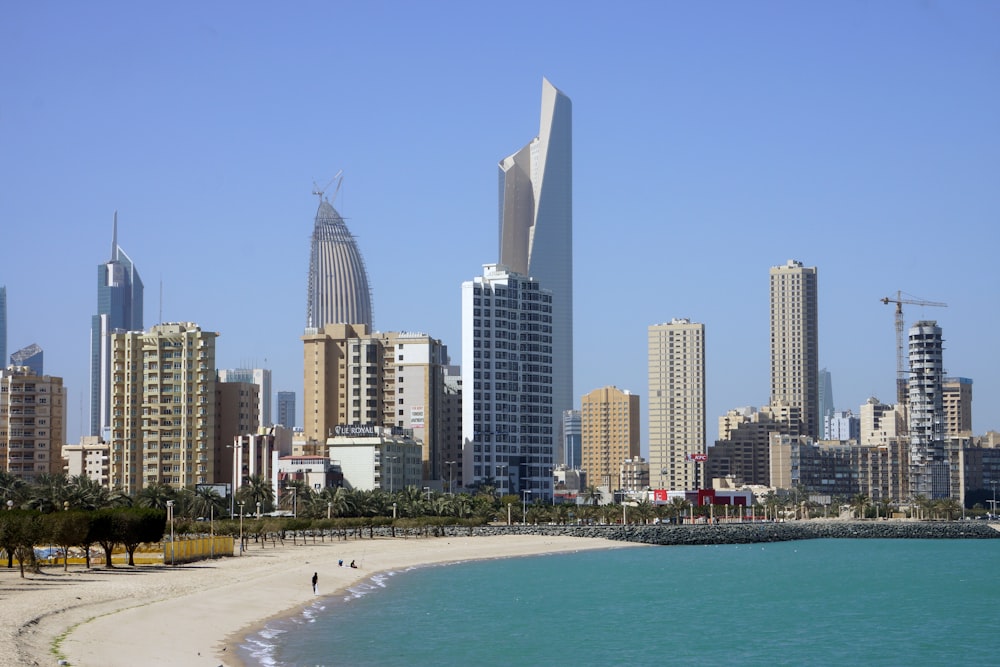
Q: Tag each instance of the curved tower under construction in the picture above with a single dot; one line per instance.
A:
(338, 282)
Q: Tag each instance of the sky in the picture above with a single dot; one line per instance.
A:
(712, 140)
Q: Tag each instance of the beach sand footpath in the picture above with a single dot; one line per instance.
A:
(198, 613)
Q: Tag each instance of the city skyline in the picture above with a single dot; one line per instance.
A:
(709, 144)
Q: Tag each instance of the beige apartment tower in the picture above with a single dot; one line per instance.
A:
(163, 407)
(32, 423)
(609, 420)
(795, 342)
(676, 404)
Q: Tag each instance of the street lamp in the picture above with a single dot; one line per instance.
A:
(242, 503)
(394, 510)
(329, 508)
(451, 473)
(258, 509)
(295, 504)
(170, 516)
(524, 505)
(506, 469)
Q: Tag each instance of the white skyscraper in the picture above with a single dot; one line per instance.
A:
(928, 463)
(508, 421)
(536, 226)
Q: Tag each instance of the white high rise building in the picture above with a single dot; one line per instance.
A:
(536, 226)
(676, 404)
(928, 462)
(795, 343)
(508, 420)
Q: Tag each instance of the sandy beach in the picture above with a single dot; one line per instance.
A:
(196, 614)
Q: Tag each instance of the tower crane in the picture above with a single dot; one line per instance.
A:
(901, 379)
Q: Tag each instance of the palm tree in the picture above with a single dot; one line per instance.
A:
(206, 502)
(860, 503)
(644, 510)
(676, 508)
(256, 490)
(295, 494)
(12, 488)
(155, 496)
(48, 493)
(593, 495)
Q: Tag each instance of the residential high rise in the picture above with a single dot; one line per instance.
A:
(354, 377)
(119, 308)
(338, 282)
(30, 356)
(32, 423)
(536, 227)
(609, 425)
(881, 423)
(676, 404)
(164, 407)
(928, 463)
(3, 323)
(795, 343)
(286, 409)
(957, 398)
(508, 418)
(260, 377)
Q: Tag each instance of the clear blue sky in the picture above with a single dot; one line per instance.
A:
(711, 141)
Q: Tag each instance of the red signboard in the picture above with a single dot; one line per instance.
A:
(700, 458)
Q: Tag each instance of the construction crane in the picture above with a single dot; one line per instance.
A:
(901, 365)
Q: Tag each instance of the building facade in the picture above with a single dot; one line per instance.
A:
(795, 342)
(89, 459)
(32, 423)
(536, 227)
(260, 377)
(376, 457)
(609, 426)
(929, 476)
(676, 367)
(842, 425)
(338, 291)
(826, 405)
(286, 409)
(508, 412)
(957, 401)
(119, 308)
(163, 397)
(881, 423)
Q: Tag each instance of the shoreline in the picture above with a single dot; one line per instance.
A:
(201, 613)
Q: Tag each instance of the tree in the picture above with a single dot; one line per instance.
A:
(206, 502)
(138, 525)
(48, 493)
(12, 489)
(255, 490)
(155, 496)
(20, 531)
(644, 511)
(592, 495)
(107, 529)
(860, 503)
(67, 529)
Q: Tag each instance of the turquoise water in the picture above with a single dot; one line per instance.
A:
(816, 602)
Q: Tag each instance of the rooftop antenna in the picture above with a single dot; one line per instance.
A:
(114, 238)
(320, 191)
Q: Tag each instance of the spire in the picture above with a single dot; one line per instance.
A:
(114, 239)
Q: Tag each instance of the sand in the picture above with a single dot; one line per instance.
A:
(197, 614)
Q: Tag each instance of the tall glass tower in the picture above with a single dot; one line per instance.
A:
(338, 282)
(119, 308)
(536, 227)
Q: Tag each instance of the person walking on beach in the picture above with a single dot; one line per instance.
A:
(315, 580)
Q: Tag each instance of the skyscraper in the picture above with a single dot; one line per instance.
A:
(536, 227)
(676, 404)
(928, 462)
(508, 423)
(119, 308)
(31, 356)
(826, 405)
(609, 424)
(286, 409)
(338, 282)
(795, 343)
(572, 435)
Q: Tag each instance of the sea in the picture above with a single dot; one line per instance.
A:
(814, 602)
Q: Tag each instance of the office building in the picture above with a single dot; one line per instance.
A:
(825, 385)
(286, 409)
(163, 395)
(928, 463)
(572, 437)
(609, 427)
(508, 416)
(795, 342)
(536, 227)
(31, 357)
(338, 291)
(119, 308)
(32, 423)
(957, 401)
(260, 377)
(676, 367)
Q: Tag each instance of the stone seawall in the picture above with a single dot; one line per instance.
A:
(739, 533)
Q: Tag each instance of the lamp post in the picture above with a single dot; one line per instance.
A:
(329, 508)
(394, 510)
(506, 469)
(451, 473)
(242, 503)
(170, 516)
(258, 509)
(211, 529)
(524, 505)
(295, 504)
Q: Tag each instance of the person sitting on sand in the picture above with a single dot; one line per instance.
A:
(353, 565)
